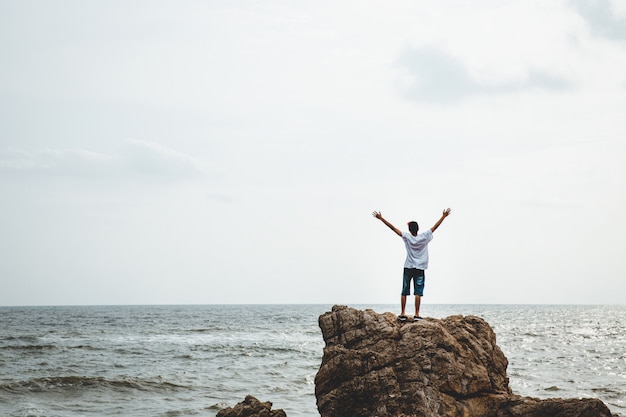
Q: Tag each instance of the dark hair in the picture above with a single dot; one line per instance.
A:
(413, 227)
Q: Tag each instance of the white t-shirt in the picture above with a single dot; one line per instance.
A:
(417, 249)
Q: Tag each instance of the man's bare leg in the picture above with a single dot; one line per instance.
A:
(403, 304)
(418, 302)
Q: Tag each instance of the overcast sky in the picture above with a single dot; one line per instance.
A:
(233, 151)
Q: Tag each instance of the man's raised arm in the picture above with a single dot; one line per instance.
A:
(445, 214)
(389, 225)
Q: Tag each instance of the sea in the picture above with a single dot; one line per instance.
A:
(194, 360)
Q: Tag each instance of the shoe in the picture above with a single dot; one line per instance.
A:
(416, 318)
(402, 318)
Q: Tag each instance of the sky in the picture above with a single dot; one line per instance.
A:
(218, 152)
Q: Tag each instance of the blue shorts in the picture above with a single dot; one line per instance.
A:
(418, 278)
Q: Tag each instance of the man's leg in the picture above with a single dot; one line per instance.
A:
(420, 279)
(406, 287)
(418, 302)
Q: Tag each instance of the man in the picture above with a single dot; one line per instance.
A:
(416, 260)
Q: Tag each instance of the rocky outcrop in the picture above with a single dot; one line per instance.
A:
(375, 366)
(251, 407)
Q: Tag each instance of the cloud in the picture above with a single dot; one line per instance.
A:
(542, 80)
(135, 159)
(431, 75)
(155, 160)
(435, 76)
(602, 18)
(72, 162)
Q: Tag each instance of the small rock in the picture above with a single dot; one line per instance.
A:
(251, 407)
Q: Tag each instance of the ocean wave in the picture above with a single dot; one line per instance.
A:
(253, 349)
(218, 406)
(30, 347)
(25, 339)
(75, 384)
(613, 393)
(249, 350)
(212, 329)
(46, 347)
(86, 347)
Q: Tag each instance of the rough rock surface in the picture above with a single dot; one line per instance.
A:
(251, 407)
(375, 366)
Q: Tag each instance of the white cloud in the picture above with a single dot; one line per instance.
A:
(135, 158)
(605, 18)
(155, 160)
(431, 75)
(73, 162)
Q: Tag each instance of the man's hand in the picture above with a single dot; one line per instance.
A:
(446, 212)
(389, 225)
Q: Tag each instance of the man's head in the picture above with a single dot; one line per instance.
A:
(413, 228)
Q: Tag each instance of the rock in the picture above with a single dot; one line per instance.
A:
(375, 366)
(251, 407)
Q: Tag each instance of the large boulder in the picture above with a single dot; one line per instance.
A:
(374, 365)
